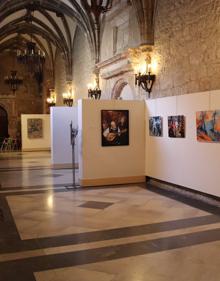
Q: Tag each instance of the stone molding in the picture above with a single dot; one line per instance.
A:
(115, 66)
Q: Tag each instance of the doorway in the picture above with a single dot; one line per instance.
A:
(3, 123)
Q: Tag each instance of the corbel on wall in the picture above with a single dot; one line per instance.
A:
(145, 11)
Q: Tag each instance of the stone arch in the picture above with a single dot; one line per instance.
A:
(117, 89)
(3, 122)
(122, 90)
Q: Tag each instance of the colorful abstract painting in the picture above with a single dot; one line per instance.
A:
(115, 127)
(176, 126)
(155, 126)
(35, 128)
(208, 126)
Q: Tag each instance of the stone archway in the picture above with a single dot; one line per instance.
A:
(3, 123)
(122, 90)
(117, 89)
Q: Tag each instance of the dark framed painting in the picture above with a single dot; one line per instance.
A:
(208, 126)
(156, 126)
(115, 127)
(35, 128)
(176, 126)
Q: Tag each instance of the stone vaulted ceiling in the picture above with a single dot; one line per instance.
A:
(52, 24)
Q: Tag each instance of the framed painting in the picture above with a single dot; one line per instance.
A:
(115, 127)
(35, 128)
(176, 126)
(156, 126)
(208, 126)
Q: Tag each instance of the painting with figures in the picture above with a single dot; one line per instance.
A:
(208, 126)
(115, 127)
(155, 126)
(176, 126)
(35, 128)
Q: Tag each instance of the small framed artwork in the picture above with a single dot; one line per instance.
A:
(176, 126)
(115, 127)
(156, 126)
(208, 126)
(35, 128)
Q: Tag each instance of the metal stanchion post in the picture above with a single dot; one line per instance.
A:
(73, 135)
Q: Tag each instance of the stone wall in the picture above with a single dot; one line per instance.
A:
(26, 99)
(187, 50)
(83, 65)
(60, 78)
(121, 32)
(187, 46)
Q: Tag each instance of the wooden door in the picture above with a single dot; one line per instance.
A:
(3, 123)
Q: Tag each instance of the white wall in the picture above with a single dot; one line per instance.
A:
(186, 161)
(61, 149)
(127, 93)
(35, 144)
(113, 164)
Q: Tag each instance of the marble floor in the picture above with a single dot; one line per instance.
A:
(136, 232)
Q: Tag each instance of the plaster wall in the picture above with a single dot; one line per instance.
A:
(61, 150)
(107, 165)
(38, 144)
(183, 161)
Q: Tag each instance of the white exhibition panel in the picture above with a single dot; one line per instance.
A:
(30, 144)
(183, 161)
(98, 162)
(61, 149)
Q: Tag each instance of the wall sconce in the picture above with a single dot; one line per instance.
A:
(94, 91)
(68, 97)
(145, 79)
(13, 80)
(51, 100)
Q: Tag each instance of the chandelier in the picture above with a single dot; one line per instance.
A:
(100, 6)
(13, 80)
(31, 56)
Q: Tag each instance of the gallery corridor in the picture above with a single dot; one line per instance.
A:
(116, 233)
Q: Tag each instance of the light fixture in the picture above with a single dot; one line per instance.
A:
(13, 80)
(32, 56)
(105, 5)
(94, 91)
(68, 97)
(100, 6)
(145, 79)
(51, 100)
